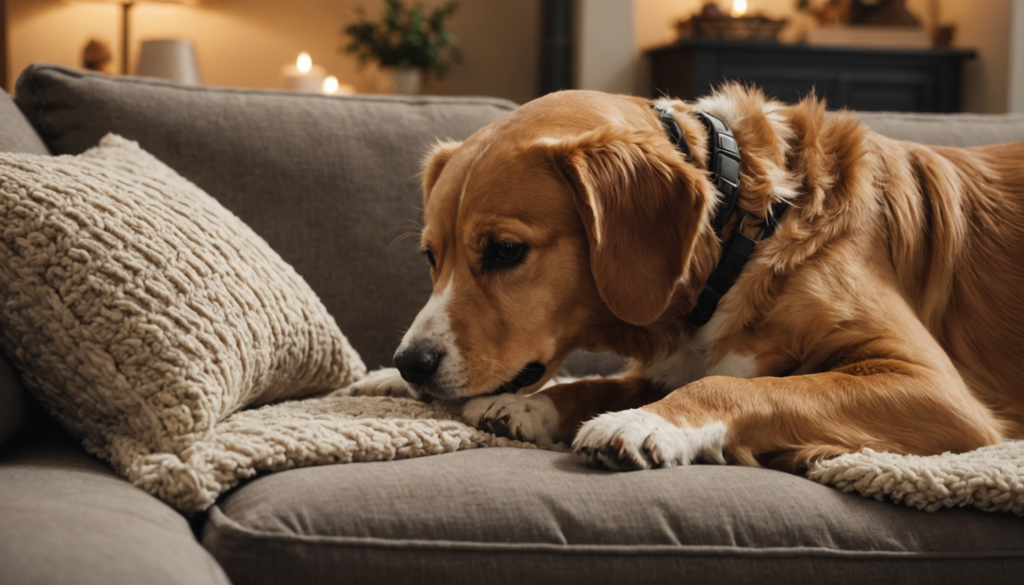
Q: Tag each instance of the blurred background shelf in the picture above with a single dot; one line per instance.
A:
(905, 80)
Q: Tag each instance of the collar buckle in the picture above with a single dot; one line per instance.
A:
(760, 235)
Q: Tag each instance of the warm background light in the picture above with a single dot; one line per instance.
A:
(244, 43)
(330, 84)
(739, 8)
(304, 63)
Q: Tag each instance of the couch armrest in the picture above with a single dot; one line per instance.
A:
(16, 135)
(68, 519)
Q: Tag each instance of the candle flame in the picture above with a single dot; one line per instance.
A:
(739, 8)
(330, 84)
(304, 63)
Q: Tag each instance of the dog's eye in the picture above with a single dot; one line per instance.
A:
(430, 258)
(503, 255)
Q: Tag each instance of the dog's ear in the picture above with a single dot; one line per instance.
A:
(433, 163)
(643, 208)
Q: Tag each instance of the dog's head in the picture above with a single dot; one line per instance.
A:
(571, 214)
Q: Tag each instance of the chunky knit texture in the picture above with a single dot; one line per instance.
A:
(990, 478)
(339, 428)
(142, 314)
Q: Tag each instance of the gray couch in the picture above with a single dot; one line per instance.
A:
(331, 183)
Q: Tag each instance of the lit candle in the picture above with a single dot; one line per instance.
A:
(739, 8)
(303, 75)
(330, 84)
(332, 87)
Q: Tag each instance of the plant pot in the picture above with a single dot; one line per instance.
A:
(406, 80)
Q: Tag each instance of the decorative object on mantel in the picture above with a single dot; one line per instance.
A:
(409, 43)
(303, 75)
(126, 6)
(170, 59)
(712, 23)
(97, 57)
(867, 23)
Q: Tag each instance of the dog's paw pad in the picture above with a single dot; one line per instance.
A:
(638, 439)
(383, 382)
(530, 418)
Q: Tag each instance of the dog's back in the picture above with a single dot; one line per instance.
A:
(956, 223)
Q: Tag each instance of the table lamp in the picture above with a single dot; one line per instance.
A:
(126, 7)
(171, 59)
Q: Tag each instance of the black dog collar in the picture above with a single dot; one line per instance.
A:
(724, 166)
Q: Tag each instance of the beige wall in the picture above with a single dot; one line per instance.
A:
(604, 50)
(982, 25)
(245, 43)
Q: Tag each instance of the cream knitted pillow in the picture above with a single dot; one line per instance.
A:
(142, 313)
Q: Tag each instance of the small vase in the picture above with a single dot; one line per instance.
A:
(406, 80)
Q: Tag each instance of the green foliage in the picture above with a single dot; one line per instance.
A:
(406, 37)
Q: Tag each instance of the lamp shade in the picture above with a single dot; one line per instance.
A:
(171, 59)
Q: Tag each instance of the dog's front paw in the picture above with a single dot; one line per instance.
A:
(382, 382)
(638, 439)
(532, 418)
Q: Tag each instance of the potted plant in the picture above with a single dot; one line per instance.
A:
(408, 42)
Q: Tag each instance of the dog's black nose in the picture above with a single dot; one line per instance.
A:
(418, 362)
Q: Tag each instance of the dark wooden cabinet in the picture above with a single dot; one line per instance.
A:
(863, 79)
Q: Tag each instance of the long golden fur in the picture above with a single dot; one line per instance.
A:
(885, 311)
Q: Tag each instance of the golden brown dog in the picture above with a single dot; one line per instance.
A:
(885, 311)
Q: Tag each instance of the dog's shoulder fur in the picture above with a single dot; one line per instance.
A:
(940, 225)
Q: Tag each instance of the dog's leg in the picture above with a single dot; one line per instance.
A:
(784, 423)
(553, 415)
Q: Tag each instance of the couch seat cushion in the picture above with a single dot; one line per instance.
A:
(518, 516)
(66, 518)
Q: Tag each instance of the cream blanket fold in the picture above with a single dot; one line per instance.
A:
(990, 478)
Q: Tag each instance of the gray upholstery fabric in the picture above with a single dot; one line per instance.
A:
(514, 516)
(329, 182)
(66, 518)
(16, 135)
(947, 129)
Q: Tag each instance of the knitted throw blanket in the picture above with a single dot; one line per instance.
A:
(335, 428)
(990, 478)
(338, 428)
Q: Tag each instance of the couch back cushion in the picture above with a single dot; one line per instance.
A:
(331, 183)
(947, 129)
